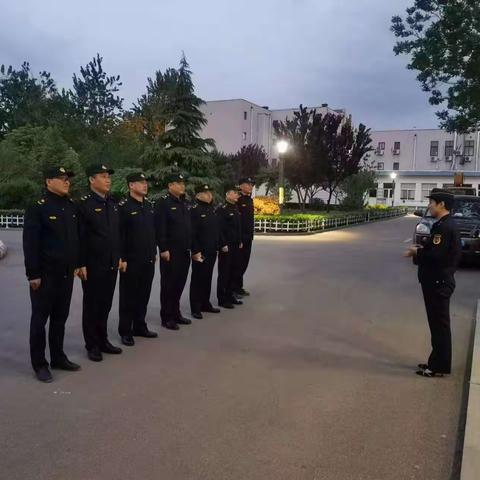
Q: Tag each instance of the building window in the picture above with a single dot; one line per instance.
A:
(396, 165)
(434, 148)
(380, 166)
(244, 115)
(244, 135)
(427, 189)
(381, 145)
(468, 148)
(449, 148)
(387, 190)
(396, 148)
(373, 191)
(407, 191)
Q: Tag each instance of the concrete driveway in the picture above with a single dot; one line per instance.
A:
(313, 378)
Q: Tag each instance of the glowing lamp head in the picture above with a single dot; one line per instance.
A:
(282, 146)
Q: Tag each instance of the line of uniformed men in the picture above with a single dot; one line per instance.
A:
(97, 237)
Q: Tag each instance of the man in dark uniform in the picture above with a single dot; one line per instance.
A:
(173, 232)
(204, 242)
(100, 260)
(245, 207)
(230, 246)
(437, 262)
(138, 250)
(50, 245)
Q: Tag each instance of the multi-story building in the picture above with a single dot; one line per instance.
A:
(410, 163)
(236, 123)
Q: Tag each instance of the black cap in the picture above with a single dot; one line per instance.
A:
(54, 172)
(204, 187)
(136, 177)
(174, 177)
(440, 195)
(231, 186)
(98, 168)
(249, 180)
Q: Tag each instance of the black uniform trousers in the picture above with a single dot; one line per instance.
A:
(51, 300)
(135, 288)
(201, 283)
(244, 258)
(174, 275)
(437, 304)
(228, 270)
(98, 292)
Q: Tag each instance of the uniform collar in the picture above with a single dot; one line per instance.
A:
(174, 198)
(99, 198)
(135, 201)
(201, 202)
(54, 197)
(445, 217)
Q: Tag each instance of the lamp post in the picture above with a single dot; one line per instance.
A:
(282, 147)
(393, 176)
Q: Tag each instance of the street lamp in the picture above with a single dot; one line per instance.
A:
(393, 176)
(282, 147)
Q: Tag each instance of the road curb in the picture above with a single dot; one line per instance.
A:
(471, 444)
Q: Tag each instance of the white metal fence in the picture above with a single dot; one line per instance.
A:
(11, 220)
(274, 226)
(310, 226)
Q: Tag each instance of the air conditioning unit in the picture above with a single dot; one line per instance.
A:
(434, 159)
(449, 158)
(379, 152)
(467, 158)
(396, 151)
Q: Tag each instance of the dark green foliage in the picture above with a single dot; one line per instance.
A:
(442, 39)
(354, 189)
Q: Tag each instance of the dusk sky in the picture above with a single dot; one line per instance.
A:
(277, 53)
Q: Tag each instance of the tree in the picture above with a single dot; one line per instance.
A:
(249, 160)
(337, 149)
(171, 100)
(27, 151)
(299, 169)
(443, 39)
(24, 99)
(355, 187)
(95, 95)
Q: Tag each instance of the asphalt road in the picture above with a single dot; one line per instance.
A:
(311, 379)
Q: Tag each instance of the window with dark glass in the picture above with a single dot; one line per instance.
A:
(434, 148)
(396, 165)
(469, 148)
(380, 166)
(244, 115)
(449, 148)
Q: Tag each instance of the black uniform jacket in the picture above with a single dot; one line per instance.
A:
(99, 232)
(438, 260)
(172, 224)
(205, 234)
(245, 207)
(230, 224)
(50, 237)
(137, 231)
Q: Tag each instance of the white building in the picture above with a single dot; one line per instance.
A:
(236, 123)
(421, 160)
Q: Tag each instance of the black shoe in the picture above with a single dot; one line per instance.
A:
(242, 292)
(44, 375)
(109, 348)
(226, 305)
(65, 364)
(128, 340)
(170, 325)
(95, 355)
(429, 373)
(197, 315)
(236, 301)
(183, 321)
(211, 309)
(145, 333)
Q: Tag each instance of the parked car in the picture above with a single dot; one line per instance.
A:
(466, 213)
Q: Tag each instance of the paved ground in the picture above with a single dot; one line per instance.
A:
(311, 379)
